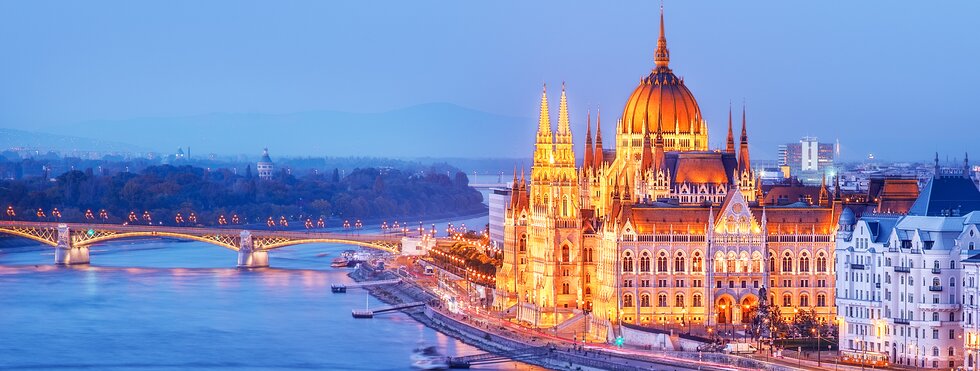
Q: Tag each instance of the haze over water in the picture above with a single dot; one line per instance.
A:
(169, 305)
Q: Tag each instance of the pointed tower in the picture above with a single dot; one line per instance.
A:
(564, 155)
(744, 164)
(587, 161)
(544, 146)
(662, 55)
(658, 146)
(730, 146)
(598, 161)
(646, 158)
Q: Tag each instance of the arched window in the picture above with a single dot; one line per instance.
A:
(697, 262)
(564, 288)
(679, 262)
(787, 263)
(952, 282)
(804, 301)
(628, 300)
(588, 278)
(564, 206)
(756, 262)
(935, 351)
(627, 262)
(523, 243)
(821, 300)
(645, 262)
(719, 262)
(645, 300)
(662, 300)
(787, 300)
(662, 262)
(772, 262)
(588, 290)
(697, 301)
(952, 351)
(821, 262)
(804, 262)
(565, 256)
(588, 255)
(730, 263)
(935, 264)
(936, 282)
(679, 300)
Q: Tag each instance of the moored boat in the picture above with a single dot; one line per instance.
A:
(428, 358)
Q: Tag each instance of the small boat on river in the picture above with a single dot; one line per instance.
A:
(428, 358)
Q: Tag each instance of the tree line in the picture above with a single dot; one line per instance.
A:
(163, 191)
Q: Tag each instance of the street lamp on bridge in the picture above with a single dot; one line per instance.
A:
(308, 224)
(270, 223)
(104, 216)
(56, 214)
(320, 223)
(89, 215)
(234, 218)
(147, 218)
(10, 212)
(40, 214)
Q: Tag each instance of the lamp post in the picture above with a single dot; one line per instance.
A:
(815, 332)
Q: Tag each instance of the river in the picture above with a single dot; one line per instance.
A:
(172, 305)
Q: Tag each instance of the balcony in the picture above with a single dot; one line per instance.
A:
(857, 266)
(937, 270)
(900, 321)
(940, 307)
(935, 288)
(903, 269)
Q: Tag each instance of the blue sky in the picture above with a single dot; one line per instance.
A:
(899, 79)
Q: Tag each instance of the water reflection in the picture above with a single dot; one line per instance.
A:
(180, 305)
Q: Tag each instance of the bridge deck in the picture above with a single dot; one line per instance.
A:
(371, 283)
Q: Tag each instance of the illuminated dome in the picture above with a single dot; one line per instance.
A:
(663, 101)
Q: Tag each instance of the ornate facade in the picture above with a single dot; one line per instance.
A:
(660, 231)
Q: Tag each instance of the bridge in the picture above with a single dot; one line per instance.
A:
(71, 241)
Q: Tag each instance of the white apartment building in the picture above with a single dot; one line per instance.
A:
(902, 281)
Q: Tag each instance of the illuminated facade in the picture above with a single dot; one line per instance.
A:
(660, 231)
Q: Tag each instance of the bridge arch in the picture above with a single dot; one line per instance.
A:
(227, 242)
(45, 236)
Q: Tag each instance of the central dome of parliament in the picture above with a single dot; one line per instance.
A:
(662, 103)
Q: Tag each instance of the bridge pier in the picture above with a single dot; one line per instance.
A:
(65, 253)
(248, 256)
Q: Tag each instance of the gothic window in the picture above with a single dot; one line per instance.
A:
(730, 263)
(565, 254)
(756, 262)
(588, 291)
(719, 262)
(821, 262)
(564, 206)
(628, 300)
(645, 262)
(627, 262)
(588, 278)
(662, 262)
(679, 262)
(662, 300)
(697, 262)
(523, 243)
(588, 255)
(804, 262)
(804, 301)
(787, 300)
(645, 300)
(821, 300)
(697, 301)
(564, 288)
(787, 263)
(679, 301)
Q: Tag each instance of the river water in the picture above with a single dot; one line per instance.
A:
(171, 305)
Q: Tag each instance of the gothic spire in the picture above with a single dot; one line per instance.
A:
(730, 147)
(662, 55)
(587, 161)
(544, 120)
(564, 128)
(598, 161)
(743, 151)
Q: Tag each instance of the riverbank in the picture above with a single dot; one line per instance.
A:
(498, 339)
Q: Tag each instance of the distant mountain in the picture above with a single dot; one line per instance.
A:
(12, 138)
(429, 130)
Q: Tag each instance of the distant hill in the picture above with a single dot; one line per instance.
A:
(429, 130)
(12, 138)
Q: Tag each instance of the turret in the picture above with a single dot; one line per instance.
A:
(598, 161)
(647, 158)
(587, 161)
(744, 164)
(730, 146)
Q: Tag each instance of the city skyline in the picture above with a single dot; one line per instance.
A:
(179, 61)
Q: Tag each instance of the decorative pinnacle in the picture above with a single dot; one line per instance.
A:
(662, 55)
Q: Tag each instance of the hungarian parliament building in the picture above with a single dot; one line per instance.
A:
(659, 230)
